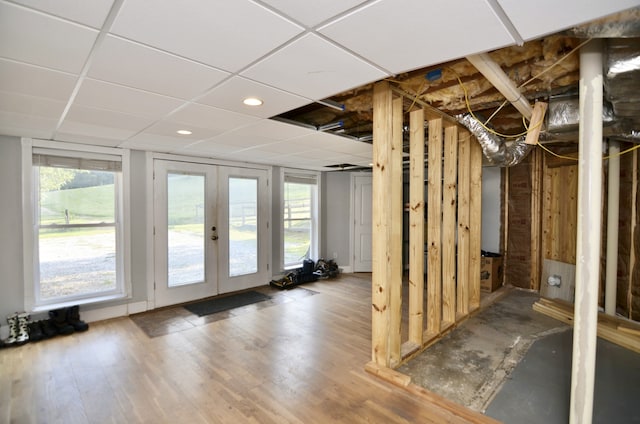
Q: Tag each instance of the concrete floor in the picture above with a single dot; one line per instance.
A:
(539, 390)
(514, 364)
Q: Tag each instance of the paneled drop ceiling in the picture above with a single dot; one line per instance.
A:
(130, 73)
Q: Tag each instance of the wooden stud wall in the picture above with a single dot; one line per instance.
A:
(453, 220)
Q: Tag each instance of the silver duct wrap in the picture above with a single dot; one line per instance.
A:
(497, 151)
(621, 25)
(563, 114)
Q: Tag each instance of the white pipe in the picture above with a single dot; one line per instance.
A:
(588, 239)
(501, 81)
(613, 207)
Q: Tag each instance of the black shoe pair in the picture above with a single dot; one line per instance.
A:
(67, 320)
(40, 330)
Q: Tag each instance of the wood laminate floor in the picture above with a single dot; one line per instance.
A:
(299, 361)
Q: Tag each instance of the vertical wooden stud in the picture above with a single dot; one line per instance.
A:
(475, 222)
(449, 221)
(395, 245)
(464, 143)
(416, 226)
(380, 253)
(434, 228)
(634, 228)
(536, 218)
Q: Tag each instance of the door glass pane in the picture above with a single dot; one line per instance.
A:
(185, 228)
(243, 226)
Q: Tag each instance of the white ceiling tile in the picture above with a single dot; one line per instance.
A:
(87, 139)
(230, 94)
(134, 65)
(84, 120)
(17, 77)
(39, 39)
(535, 19)
(24, 125)
(210, 117)
(168, 129)
(225, 34)
(283, 148)
(254, 156)
(273, 130)
(155, 143)
(92, 13)
(311, 13)
(420, 35)
(208, 148)
(31, 105)
(324, 71)
(103, 95)
(264, 132)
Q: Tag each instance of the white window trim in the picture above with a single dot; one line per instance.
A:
(317, 222)
(28, 224)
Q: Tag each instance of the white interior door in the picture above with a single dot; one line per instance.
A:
(363, 224)
(185, 197)
(244, 234)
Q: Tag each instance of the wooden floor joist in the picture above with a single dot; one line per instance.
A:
(621, 332)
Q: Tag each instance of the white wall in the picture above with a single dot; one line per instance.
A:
(336, 211)
(491, 202)
(11, 286)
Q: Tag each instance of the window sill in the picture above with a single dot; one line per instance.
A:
(81, 301)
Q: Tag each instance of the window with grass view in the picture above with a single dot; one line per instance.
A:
(300, 216)
(77, 228)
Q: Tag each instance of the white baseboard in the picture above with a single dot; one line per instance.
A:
(113, 311)
(346, 269)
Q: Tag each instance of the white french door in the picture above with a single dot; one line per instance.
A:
(210, 230)
(244, 237)
(184, 217)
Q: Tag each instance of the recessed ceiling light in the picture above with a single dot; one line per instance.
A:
(184, 132)
(252, 101)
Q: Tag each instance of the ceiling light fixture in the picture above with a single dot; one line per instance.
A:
(184, 132)
(252, 101)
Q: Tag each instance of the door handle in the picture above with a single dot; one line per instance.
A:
(214, 233)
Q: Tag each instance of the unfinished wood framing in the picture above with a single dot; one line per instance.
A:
(449, 212)
(395, 261)
(453, 224)
(416, 227)
(475, 223)
(464, 185)
(434, 229)
(381, 218)
(536, 219)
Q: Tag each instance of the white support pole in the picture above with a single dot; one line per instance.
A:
(613, 208)
(588, 239)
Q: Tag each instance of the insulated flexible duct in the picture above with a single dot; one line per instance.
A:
(497, 151)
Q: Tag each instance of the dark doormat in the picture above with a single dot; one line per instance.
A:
(225, 303)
